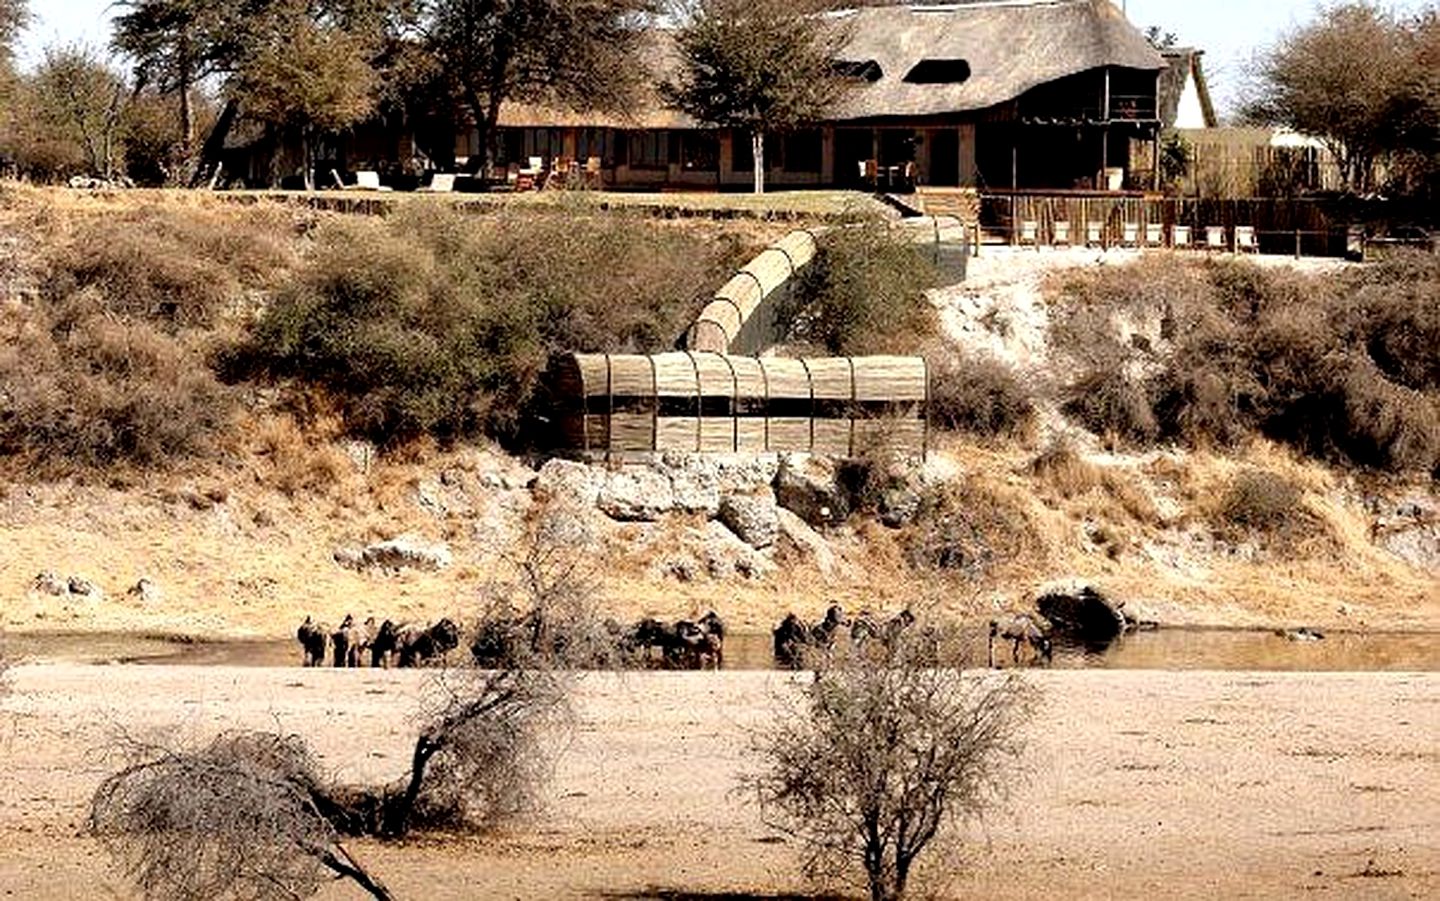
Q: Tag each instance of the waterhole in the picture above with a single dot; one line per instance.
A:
(1166, 649)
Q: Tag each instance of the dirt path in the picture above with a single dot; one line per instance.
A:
(1140, 784)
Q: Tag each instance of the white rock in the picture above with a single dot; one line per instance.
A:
(751, 517)
(635, 494)
(49, 583)
(568, 481)
(806, 542)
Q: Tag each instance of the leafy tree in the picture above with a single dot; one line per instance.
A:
(1159, 38)
(14, 16)
(577, 53)
(879, 755)
(760, 66)
(1339, 78)
(77, 100)
(312, 79)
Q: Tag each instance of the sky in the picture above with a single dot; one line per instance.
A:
(1229, 31)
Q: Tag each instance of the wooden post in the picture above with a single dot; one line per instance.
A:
(1297, 243)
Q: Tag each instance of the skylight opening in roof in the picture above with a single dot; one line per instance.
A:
(867, 69)
(939, 71)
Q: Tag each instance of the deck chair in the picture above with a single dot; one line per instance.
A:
(1029, 231)
(441, 183)
(1060, 233)
(1154, 234)
(1179, 236)
(368, 180)
(1214, 237)
(1094, 233)
(1130, 234)
(1245, 239)
(594, 174)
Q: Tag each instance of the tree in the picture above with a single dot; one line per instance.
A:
(311, 79)
(879, 755)
(77, 99)
(249, 816)
(484, 53)
(758, 66)
(1338, 79)
(241, 817)
(1159, 38)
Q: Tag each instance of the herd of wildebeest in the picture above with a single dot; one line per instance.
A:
(648, 643)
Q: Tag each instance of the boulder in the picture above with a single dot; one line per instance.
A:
(752, 517)
(49, 583)
(694, 490)
(807, 543)
(806, 485)
(1080, 611)
(726, 556)
(405, 552)
(83, 588)
(635, 495)
(570, 482)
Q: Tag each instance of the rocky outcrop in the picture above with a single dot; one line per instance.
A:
(569, 482)
(1080, 611)
(405, 552)
(145, 591)
(752, 517)
(48, 583)
(807, 485)
(796, 537)
(635, 495)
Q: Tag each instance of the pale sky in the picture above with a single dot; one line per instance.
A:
(1229, 31)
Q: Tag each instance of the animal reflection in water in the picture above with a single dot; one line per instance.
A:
(1022, 629)
(403, 644)
(795, 640)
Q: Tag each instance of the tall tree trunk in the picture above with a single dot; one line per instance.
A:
(308, 165)
(757, 150)
(479, 111)
(214, 148)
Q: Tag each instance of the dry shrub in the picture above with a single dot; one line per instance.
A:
(1260, 501)
(1109, 402)
(967, 528)
(186, 265)
(979, 396)
(296, 462)
(1134, 500)
(102, 392)
(1063, 469)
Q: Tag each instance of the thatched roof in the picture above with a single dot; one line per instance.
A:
(1182, 64)
(1010, 46)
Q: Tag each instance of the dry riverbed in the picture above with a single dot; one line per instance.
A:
(1135, 784)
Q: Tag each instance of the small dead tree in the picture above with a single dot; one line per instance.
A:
(877, 756)
(241, 817)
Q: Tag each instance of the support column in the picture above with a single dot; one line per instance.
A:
(827, 155)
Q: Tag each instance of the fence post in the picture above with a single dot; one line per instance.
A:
(1297, 243)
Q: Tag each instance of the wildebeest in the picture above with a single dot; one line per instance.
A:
(694, 644)
(312, 638)
(1022, 628)
(415, 645)
(791, 637)
(345, 642)
(822, 634)
(383, 643)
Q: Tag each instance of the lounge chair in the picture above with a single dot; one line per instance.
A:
(1060, 233)
(1179, 236)
(1029, 231)
(368, 180)
(1154, 234)
(1214, 237)
(1130, 234)
(1245, 239)
(441, 183)
(1094, 233)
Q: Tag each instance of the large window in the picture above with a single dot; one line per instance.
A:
(800, 151)
(595, 142)
(647, 149)
(697, 151)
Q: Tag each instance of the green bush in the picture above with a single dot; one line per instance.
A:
(864, 292)
(435, 323)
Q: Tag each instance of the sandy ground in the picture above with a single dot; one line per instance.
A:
(1136, 784)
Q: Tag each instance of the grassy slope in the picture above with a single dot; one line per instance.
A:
(242, 543)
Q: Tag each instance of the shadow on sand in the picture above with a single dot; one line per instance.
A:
(663, 894)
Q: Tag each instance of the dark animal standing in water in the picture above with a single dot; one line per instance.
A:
(384, 644)
(415, 645)
(822, 634)
(1021, 628)
(791, 637)
(648, 635)
(345, 642)
(312, 640)
(713, 628)
(896, 627)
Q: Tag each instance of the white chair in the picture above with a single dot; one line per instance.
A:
(1179, 236)
(368, 180)
(1214, 237)
(1130, 234)
(1061, 232)
(441, 183)
(1094, 233)
(1154, 234)
(1029, 231)
(1245, 239)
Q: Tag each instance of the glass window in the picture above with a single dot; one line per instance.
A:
(699, 151)
(647, 149)
(801, 151)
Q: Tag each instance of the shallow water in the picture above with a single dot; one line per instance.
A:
(1162, 649)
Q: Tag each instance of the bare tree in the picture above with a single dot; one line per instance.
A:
(877, 756)
(241, 817)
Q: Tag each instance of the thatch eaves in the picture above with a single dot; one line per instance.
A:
(1182, 64)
